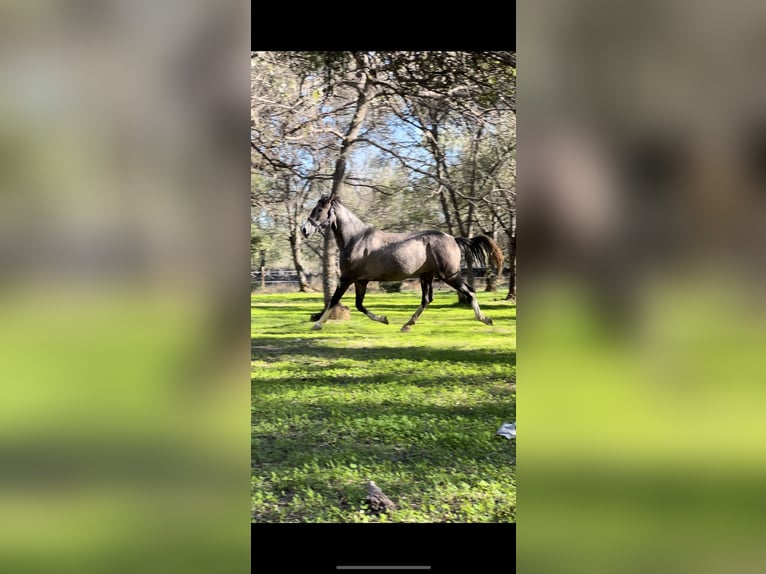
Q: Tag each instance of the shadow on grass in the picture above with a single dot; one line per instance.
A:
(287, 454)
(445, 382)
(287, 308)
(441, 436)
(334, 415)
(410, 304)
(277, 348)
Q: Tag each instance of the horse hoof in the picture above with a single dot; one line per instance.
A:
(405, 328)
(384, 320)
(487, 321)
(317, 327)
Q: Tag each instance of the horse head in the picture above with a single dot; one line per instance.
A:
(320, 217)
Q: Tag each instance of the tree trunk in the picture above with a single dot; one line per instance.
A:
(433, 144)
(491, 276)
(263, 269)
(461, 225)
(445, 210)
(512, 262)
(295, 247)
(466, 229)
(366, 91)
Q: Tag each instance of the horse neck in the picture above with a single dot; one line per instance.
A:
(347, 225)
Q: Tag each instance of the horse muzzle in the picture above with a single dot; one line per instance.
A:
(308, 229)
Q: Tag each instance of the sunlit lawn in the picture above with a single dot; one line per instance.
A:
(416, 412)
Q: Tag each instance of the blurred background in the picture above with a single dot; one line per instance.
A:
(642, 328)
(124, 371)
(124, 254)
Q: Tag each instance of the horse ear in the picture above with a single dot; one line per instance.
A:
(333, 219)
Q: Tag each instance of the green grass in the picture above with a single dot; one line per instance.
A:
(416, 412)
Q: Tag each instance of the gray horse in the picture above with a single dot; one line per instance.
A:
(367, 254)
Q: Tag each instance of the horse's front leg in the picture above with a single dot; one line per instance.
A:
(339, 292)
(361, 289)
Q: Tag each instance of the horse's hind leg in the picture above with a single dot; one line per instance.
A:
(460, 285)
(427, 289)
(361, 289)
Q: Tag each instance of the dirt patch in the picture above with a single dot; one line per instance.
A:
(338, 313)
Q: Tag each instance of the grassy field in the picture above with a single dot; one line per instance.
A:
(416, 412)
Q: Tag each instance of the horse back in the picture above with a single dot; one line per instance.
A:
(385, 256)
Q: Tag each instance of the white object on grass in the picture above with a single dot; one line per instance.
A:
(507, 430)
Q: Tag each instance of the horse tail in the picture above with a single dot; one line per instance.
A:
(482, 247)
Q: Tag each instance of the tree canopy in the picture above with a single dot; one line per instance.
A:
(409, 139)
